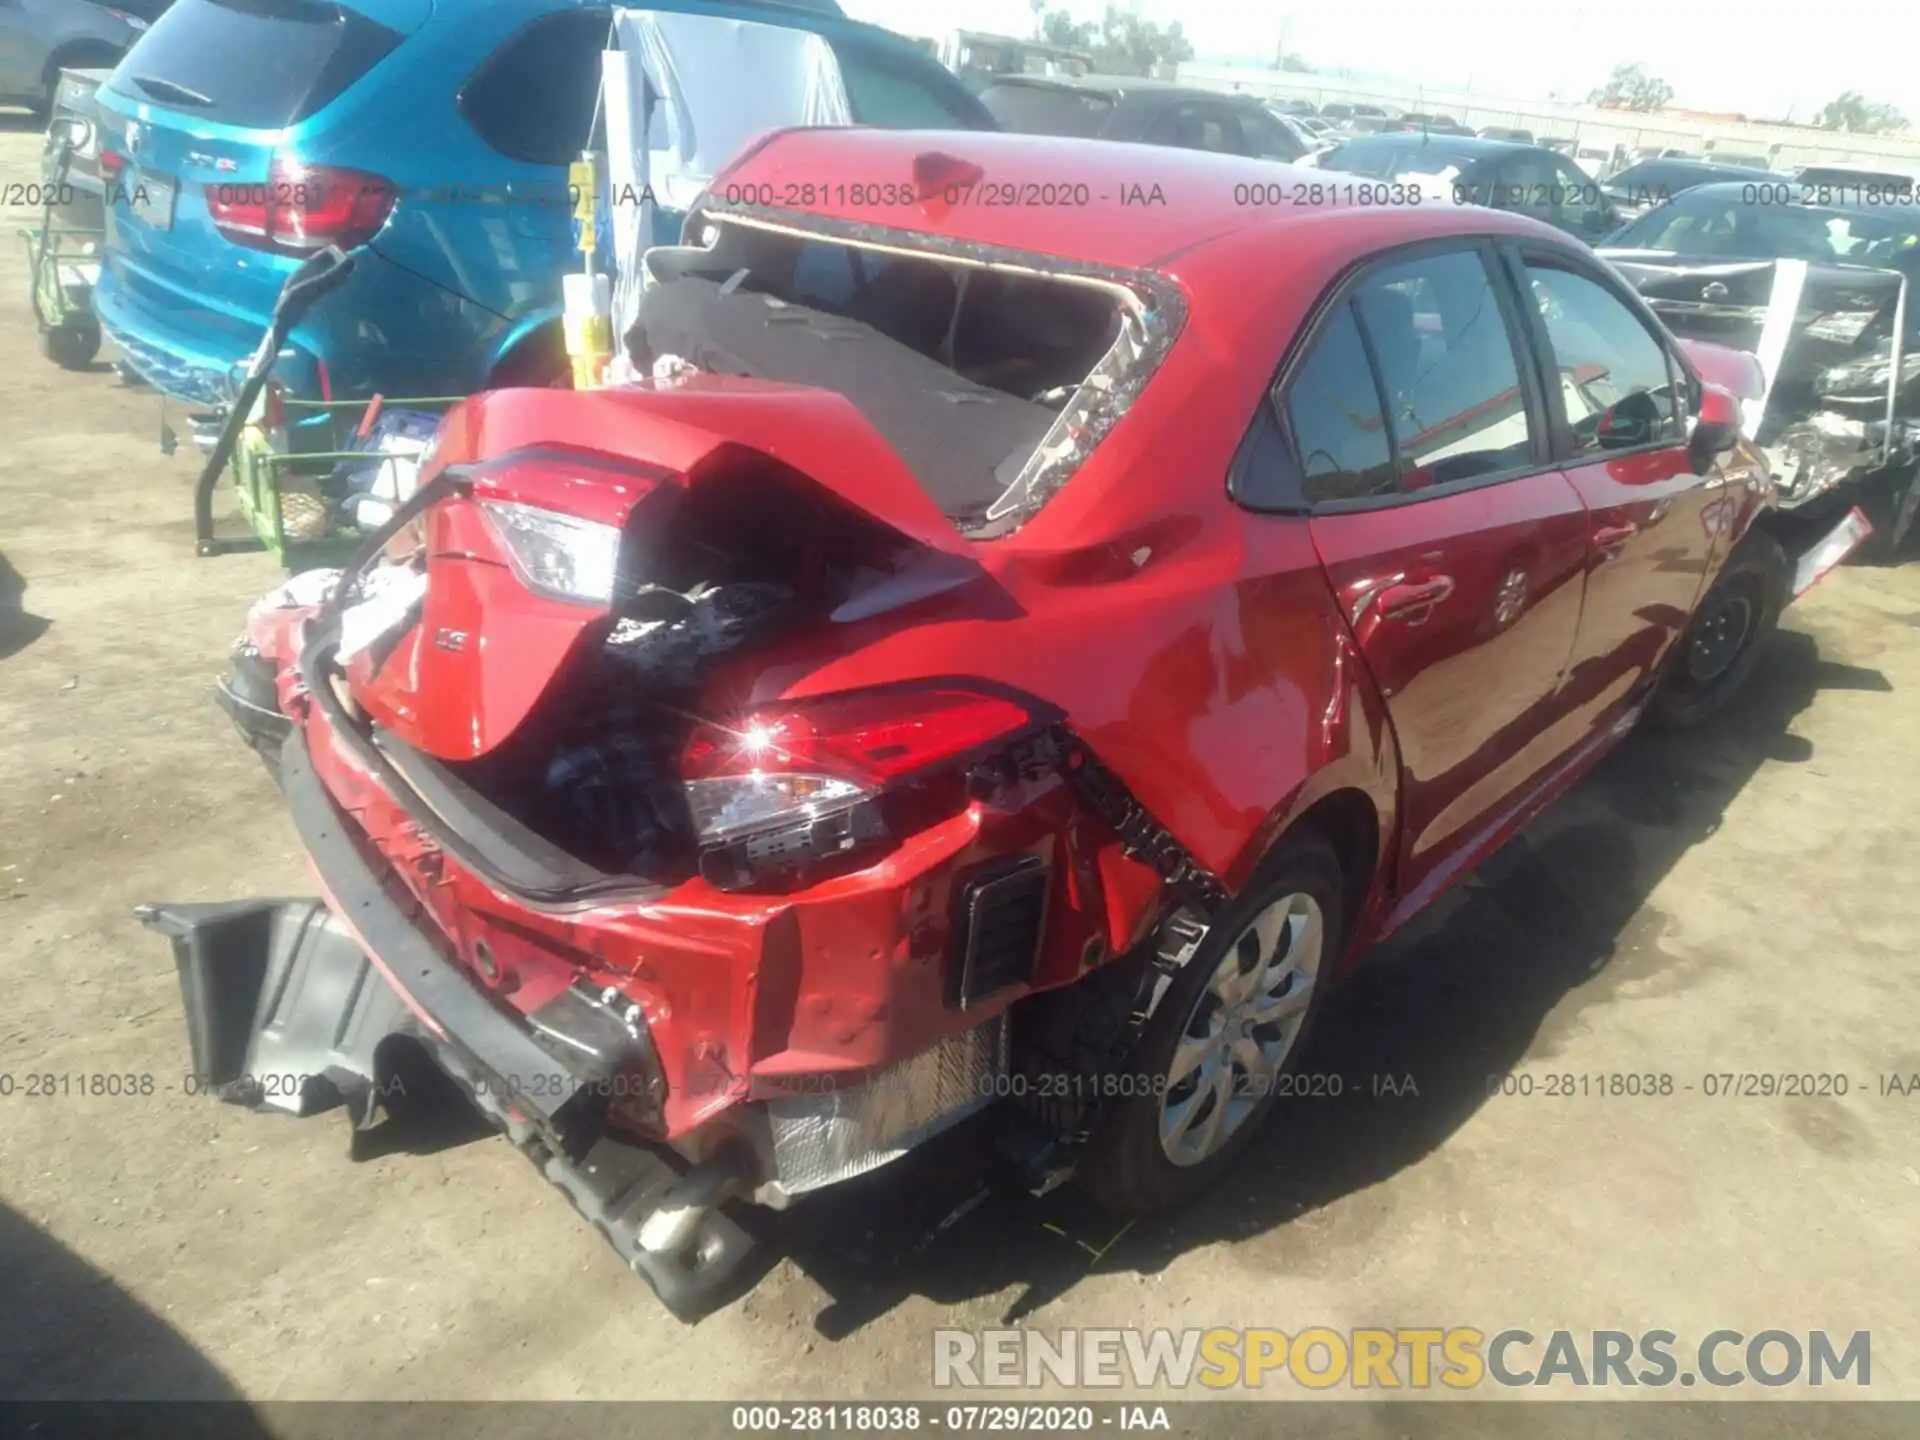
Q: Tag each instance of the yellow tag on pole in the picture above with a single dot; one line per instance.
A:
(583, 186)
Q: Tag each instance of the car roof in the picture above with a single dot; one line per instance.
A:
(1472, 147)
(1737, 190)
(1686, 164)
(1203, 195)
(1859, 167)
(1124, 85)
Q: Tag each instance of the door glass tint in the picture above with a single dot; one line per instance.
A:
(1197, 127)
(262, 63)
(1267, 138)
(1048, 110)
(1333, 412)
(1615, 378)
(533, 100)
(900, 92)
(1369, 158)
(1531, 184)
(1447, 368)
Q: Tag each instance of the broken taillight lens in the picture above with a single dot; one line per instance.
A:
(793, 766)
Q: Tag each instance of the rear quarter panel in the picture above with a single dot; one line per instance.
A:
(1197, 647)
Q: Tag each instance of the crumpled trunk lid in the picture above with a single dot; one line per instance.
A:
(458, 677)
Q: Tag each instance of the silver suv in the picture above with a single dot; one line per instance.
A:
(40, 38)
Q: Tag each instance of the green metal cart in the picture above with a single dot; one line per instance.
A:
(63, 261)
(297, 502)
(295, 494)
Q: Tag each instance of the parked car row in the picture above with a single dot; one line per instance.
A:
(436, 138)
(907, 717)
(1821, 293)
(1019, 623)
(40, 38)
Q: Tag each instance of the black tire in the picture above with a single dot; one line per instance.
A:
(539, 362)
(1710, 663)
(87, 55)
(72, 344)
(1127, 1169)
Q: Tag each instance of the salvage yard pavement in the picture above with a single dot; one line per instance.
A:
(1735, 902)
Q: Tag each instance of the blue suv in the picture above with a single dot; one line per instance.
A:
(245, 135)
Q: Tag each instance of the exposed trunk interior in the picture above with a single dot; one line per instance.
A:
(739, 562)
(964, 369)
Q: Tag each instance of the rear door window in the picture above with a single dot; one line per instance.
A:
(1190, 126)
(1447, 368)
(900, 92)
(1424, 159)
(1620, 388)
(1265, 138)
(1048, 110)
(256, 63)
(533, 98)
(1334, 417)
(1373, 160)
(1530, 183)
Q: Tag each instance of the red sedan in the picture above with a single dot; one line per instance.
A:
(1048, 610)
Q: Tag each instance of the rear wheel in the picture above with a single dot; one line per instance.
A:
(87, 55)
(1231, 1026)
(73, 343)
(1725, 637)
(540, 362)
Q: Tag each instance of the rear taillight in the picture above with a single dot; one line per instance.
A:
(801, 765)
(112, 165)
(301, 208)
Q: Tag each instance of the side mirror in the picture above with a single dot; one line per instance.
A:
(1716, 429)
(1623, 431)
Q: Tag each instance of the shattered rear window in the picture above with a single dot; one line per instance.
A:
(992, 381)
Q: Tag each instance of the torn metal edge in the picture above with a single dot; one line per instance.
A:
(1154, 312)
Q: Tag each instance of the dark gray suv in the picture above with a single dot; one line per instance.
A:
(40, 38)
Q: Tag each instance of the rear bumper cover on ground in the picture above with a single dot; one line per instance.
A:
(291, 1005)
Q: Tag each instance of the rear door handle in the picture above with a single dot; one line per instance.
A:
(1612, 537)
(1415, 602)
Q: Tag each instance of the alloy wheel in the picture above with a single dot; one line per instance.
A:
(1242, 1029)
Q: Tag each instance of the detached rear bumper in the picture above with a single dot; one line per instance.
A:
(291, 1005)
(1811, 563)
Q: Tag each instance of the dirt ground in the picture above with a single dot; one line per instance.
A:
(1737, 901)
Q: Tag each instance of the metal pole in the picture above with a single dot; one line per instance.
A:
(1893, 379)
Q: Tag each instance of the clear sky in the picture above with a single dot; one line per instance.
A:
(1757, 57)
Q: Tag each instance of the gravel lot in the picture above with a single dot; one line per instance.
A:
(1738, 901)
